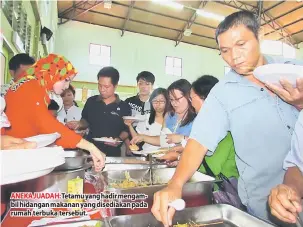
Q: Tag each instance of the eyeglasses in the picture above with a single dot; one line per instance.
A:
(158, 102)
(176, 100)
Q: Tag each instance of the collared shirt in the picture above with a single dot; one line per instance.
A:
(172, 123)
(72, 114)
(261, 125)
(105, 121)
(295, 156)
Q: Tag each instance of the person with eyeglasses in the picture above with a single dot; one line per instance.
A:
(179, 118)
(223, 160)
(155, 121)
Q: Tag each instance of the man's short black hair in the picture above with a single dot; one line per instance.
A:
(53, 105)
(203, 85)
(146, 76)
(110, 72)
(246, 18)
(20, 59)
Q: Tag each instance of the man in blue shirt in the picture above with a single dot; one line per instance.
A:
(286, 199)
(260, 122)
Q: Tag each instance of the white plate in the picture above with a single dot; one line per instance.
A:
(158, 155)
(147, 152)
(106, 140)
(133, 118)
(44, 140)
(273, 73)
(18, 164)
(26, 176)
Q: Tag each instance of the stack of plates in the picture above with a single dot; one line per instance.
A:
(27, 164)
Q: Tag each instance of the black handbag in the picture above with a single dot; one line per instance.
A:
(228, 189)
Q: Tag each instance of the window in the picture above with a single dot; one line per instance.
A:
(277, 48)
(226, 70)
(288, 51)
(173, 66)
(99, 55)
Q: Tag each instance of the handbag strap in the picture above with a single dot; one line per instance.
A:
(220, 176)
(208, 170)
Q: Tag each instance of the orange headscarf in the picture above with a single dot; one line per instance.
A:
(47, 71)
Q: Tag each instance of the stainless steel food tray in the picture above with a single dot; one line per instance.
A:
(76, 224)
(121, 166)
(160, 176)
(130, 160)
(119, 160)
(196, 192)
(226, 215)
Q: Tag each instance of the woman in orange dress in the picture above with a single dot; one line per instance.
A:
(27, 103)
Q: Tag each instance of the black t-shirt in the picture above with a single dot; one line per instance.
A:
(105, 121)
(138, 107)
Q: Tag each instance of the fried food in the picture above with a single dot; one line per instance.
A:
(128, 183)
(134, 147)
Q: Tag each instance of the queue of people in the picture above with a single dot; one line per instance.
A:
(238, 128)
(261, 123)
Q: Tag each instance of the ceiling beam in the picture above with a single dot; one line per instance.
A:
(284, 26)
(273, 6)
(209, 47)
(160, 14)
(130, 8)
(278, 28)
(145, 23)
(285, 13)
(238, 5)
(155, 13)
(190, 22)
(68, 10)
(293, 35)
(85, 10)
